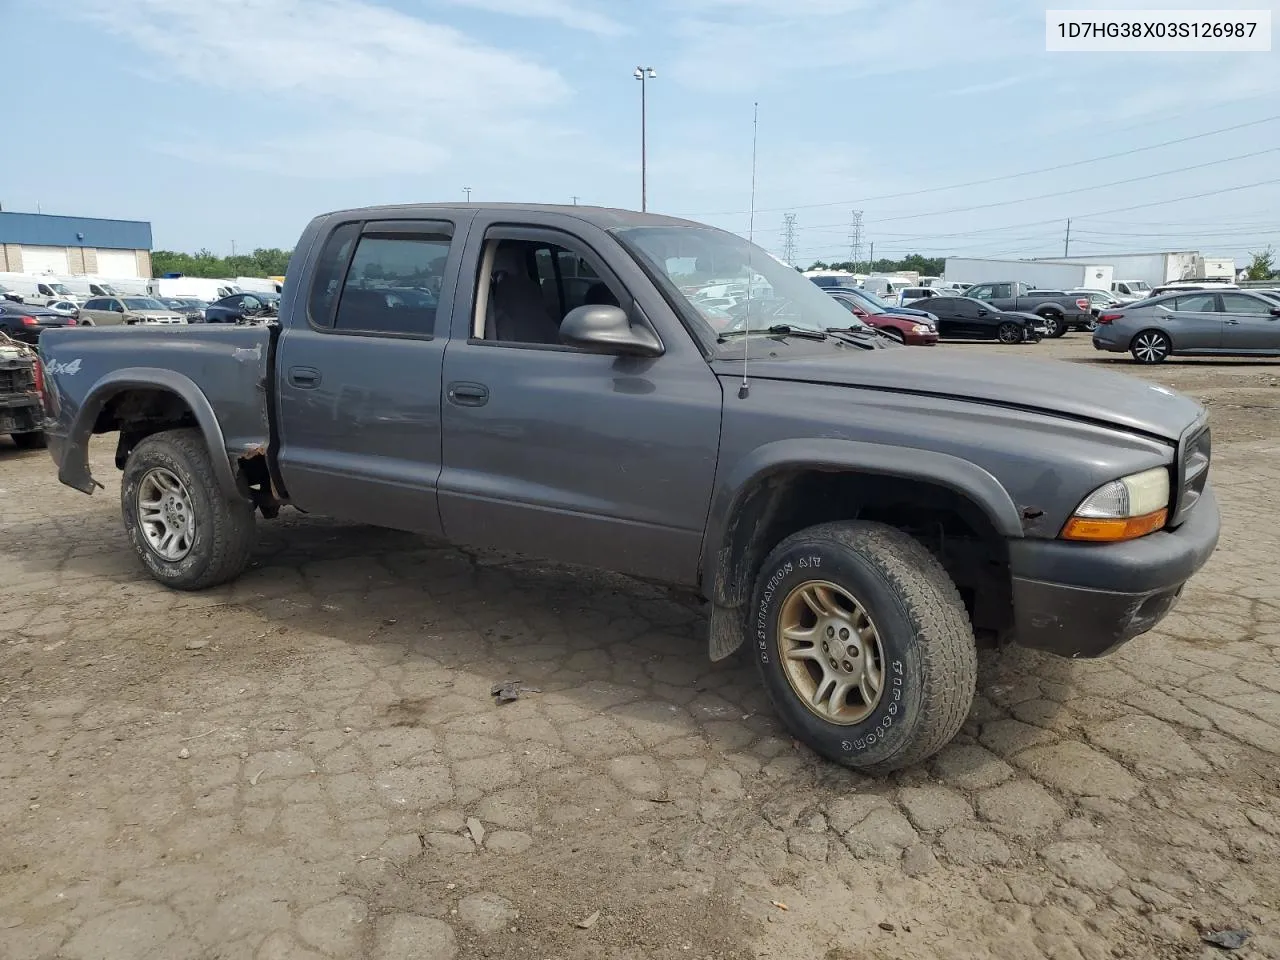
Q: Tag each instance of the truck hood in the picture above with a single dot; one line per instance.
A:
(1053, 387)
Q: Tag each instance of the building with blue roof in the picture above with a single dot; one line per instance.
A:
(39, 243)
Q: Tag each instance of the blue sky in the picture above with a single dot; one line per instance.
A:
(237, 120)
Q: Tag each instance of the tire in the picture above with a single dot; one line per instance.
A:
(926, 652)
(1010, 332)
(1090, 325)
(893, 334)
(1057, 324)
(1151, 346)
(34, 440)
(219, 533)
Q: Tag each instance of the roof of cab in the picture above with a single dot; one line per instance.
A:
(604, 217)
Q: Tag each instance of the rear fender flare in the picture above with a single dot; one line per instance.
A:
(725, 585)
(75, 463)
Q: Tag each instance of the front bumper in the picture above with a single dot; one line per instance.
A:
(20, 414)
(1085, 600)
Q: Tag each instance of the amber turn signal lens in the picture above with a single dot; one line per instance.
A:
(1112, 531)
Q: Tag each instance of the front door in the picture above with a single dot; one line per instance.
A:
(1248, 323)
(1196, 322)
(549, 451)
(358, 374)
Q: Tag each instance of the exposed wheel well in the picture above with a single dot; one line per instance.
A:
(953, 527)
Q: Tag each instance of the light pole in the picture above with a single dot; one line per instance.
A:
(467, 191)
(644, 75)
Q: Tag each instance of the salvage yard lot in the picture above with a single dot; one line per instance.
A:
(309, 762)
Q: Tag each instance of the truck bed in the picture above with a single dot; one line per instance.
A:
(215, 376)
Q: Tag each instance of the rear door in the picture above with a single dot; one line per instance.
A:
(1195, 322)
(553, 452)
(1248, 323)
(358, 374)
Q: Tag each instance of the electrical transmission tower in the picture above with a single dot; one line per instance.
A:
(789, 238)
(855, 238)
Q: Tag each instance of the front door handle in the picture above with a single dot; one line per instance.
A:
(465, 394)
(1229, 320)
(304, 378)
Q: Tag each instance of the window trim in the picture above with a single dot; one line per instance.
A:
(383, 230)
(496, 233)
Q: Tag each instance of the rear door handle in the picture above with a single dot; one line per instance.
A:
(465, 394)
(304, 378)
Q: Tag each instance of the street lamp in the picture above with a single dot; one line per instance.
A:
(644, 75)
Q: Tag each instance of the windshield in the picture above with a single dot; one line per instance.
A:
(108, 289)
(695, 259)
(60, 288)
(143, 303)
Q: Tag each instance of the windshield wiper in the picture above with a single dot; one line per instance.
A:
(777, 330)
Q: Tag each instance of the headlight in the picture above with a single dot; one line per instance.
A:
(922, 328)
(1123, 509)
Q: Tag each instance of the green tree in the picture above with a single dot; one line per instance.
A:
(1263, 264)
(263, 262)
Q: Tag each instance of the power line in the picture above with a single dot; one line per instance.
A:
(1007, 176)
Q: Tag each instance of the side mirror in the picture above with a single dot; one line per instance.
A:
(601, 328)
(1275, 311)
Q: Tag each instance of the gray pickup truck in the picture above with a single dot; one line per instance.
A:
(542, 380)
(1059, 310)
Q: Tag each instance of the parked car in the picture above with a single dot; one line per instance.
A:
(827, 280)
(1099, 300)
(189, 309)
(26, 321)
(240, 306)
(834, 500)
(1061, 312)
(964, 318)
(115, 311)
(867, 297)
(66, 308)
(21, 415)
(908, 295)
(10, 294)
(1192, 323)
(909, 330)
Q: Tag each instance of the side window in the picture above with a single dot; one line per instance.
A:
(115, 305)
(844, 303)
(980, 293)
(330, 269)
(393, 285)
(528, 286)
(93, 305)
(1250, 306)
(1001, 290)
(1196, 303)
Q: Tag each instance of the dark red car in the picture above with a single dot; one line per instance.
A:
(914, 331)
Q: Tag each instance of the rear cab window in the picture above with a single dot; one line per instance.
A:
(381, 278)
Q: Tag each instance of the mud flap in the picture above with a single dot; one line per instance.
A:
(726, 633)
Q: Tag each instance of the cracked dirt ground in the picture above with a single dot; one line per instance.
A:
(286, 767)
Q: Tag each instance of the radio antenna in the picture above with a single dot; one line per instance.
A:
(745, 389)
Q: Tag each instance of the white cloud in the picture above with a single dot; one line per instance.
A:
(566, 13)
(991, 86)
(402, 88)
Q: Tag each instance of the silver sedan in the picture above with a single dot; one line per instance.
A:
(1193, 323)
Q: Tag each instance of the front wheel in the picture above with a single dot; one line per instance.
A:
(894, 334)
(187, 532)
(1151, 346)
(863, 644)
(1010, 332)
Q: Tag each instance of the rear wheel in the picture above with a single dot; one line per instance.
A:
(863, 644)
(1056, 323)
(1010, 332)
(1151, 346)
(28, 441)
(185, 530)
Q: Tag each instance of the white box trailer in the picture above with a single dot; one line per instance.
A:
(257, 285)
(1153, 269)
(1040, 274)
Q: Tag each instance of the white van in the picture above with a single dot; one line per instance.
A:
(36, 289)
(197, 287)
(886, 288)
(258, 285)
(85, 287)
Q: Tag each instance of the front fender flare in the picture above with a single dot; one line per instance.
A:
(964, 477)
(74, 467)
